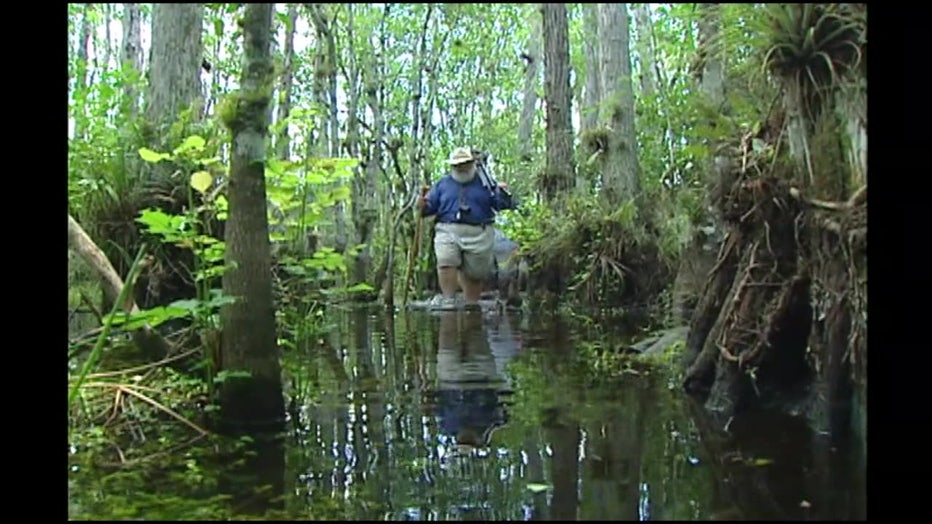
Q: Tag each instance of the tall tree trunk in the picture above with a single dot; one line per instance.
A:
(647, 72)
(620, 171)
(593, 89)
(365, 210)
(249, 334)
(559, 175)
(325, 81)
(175, 69)
(283, 141)
(532, 58)
(131, 53)
(108, 39)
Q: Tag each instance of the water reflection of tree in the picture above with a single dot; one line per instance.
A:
(605, 450)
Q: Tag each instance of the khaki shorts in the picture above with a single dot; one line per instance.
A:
(466, 247)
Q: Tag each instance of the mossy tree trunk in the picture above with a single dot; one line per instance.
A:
(829, 147)
(559, 172)
(620, 167)
(249, 333)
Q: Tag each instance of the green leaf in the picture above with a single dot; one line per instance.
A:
(153, 317)
(761, 462)
(222, 207)
(360, 288)
(160, 223)
(193, 142)
(227, 374)
(186, 304)
(151, 156)
(758, 145)
(201, 181)
(535, 487)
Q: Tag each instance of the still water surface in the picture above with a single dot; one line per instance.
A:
(464, 416)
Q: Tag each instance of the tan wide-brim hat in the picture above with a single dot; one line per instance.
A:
(460, 155)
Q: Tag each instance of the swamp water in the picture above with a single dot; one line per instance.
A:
(463, 416)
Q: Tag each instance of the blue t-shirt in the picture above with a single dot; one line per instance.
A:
(445, 196)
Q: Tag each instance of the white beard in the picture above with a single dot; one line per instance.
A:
(463, 178)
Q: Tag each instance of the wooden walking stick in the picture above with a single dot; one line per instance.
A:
(415, 248)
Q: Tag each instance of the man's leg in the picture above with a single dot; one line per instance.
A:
(447, 277)
(477, 262)
(448, 262)
(472, 288)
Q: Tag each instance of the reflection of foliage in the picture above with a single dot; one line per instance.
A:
(366, 446)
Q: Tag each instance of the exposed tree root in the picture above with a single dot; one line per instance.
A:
(780, 305)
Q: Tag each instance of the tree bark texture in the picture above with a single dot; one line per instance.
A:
(249, 331)
(621, 172)
(559, 175)
(175, 66)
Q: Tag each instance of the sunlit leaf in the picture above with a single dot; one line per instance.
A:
(201, 181)
(192, 143)
(761, 462)
(534, 487)
(151, 156)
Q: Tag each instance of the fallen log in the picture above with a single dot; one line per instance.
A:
(658, 343)
(146, 339)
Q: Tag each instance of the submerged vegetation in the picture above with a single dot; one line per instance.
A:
(704, 229)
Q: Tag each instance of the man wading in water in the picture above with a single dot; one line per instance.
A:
(464, 202)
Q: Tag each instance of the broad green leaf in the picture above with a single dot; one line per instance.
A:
(360, 288)
(153, 317)
(187, 304)
(762, 462)
(535, 487)
(151, 156)
(201, 181)
(192, 143)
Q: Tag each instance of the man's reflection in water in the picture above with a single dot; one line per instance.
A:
(468, 398)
